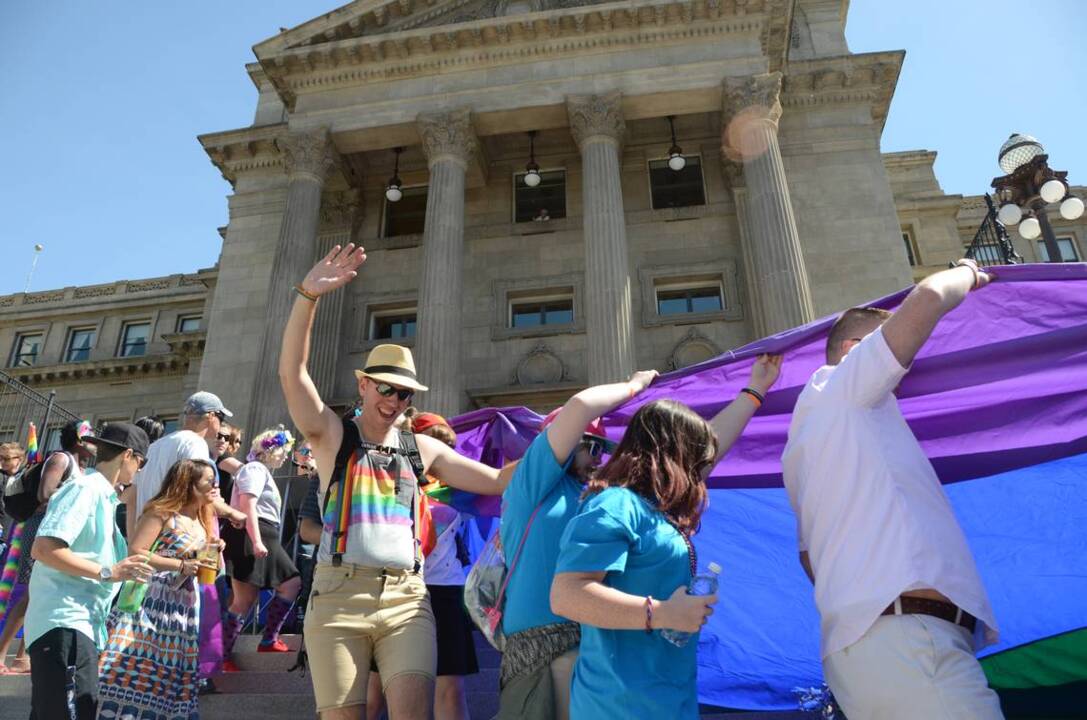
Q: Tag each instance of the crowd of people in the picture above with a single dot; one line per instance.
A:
(597, 535)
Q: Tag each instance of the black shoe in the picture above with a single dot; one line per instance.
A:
(206, 686)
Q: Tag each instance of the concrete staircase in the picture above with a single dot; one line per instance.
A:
(264, 690)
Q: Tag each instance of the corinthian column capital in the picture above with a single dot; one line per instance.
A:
(754, 95)
(307, 154)
(596, 117)
(448, 136)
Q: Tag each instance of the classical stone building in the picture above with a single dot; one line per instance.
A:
(785, 208)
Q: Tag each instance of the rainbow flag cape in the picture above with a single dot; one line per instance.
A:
(998, 400)
(9, 592)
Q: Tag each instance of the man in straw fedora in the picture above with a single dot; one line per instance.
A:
(368, 599)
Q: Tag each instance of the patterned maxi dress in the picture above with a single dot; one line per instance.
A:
(148, 670)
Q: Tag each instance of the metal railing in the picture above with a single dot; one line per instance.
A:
(991, 244)
(21, 405)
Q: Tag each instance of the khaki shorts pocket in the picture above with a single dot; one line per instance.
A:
(327, 581)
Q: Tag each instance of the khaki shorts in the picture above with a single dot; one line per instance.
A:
(357, 613)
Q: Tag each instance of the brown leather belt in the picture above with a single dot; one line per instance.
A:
(936, 608)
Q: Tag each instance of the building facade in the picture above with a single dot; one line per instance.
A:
(784, 210)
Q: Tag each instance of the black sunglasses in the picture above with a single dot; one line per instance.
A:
(597, 446)
(225, 437)
(141, 459)
(387, 390)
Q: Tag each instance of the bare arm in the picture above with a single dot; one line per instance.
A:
(935, 296)
(52, 474)
(55, 553)
(805, 562)
(454, 469)
(128, 497)
(310, 531)
(729, 424)
(565, 432)
(315, 420)
(583, 597)
(147, 529)
(230, 464)
(252, 524)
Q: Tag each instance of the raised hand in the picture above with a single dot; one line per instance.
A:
(642, 379)
(764, 373)
(334, 270)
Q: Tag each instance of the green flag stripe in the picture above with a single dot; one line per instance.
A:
(1055, 660)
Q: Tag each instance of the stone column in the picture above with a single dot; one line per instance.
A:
(449, 143)
(734, 178)
(750, 112)
(596, 122)
(307, 157)
(340, 215)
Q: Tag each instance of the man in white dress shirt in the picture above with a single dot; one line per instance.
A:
(902, 606)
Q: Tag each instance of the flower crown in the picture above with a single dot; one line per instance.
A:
(281, 439)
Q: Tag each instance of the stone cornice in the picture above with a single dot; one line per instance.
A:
(152, 290)
(865, 78)
(114, 369)
(245, 150)
(520, 38)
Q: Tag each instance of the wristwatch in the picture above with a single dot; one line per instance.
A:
(105, 573)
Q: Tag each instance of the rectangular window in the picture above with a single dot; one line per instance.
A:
(1066, 245)
(676, 188)
(408, 215)
(134, 340)
(911, 253)
(546, 201)
(673, 300)
(26, 350)
(169, 425)
(188, 323)
(79, 345)
(534, 312)
(392, 325)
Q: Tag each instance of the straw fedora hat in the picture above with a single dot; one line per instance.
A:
(391, 364)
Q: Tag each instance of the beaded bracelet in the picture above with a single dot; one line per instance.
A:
(302, 291)
(648, 614)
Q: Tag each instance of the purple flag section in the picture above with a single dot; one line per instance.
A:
(494, 436)
(1000, 385)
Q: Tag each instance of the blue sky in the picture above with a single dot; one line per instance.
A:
(102, 103)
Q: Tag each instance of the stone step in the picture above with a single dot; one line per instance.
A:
(271, 683)
(248, 643)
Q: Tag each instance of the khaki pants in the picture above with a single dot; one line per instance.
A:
(357, 613)
(908, 667)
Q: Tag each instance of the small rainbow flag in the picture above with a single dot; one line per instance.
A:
(32, 445)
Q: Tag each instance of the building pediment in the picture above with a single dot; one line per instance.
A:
(374, 41)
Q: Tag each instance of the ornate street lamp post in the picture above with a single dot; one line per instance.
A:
(1028, 187)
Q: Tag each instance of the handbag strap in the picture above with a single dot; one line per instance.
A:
(516, 556)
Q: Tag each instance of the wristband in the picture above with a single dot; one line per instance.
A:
(302, 291)
(968, 263)
(648, 614)
(755, 395)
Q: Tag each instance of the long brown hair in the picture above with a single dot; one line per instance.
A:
(664, 457)
(177, 489)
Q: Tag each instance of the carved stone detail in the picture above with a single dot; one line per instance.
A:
(308, 154)
(595, 117)
(539, 367)
(732, 171)
(448, 135)
(755, 94)
(692, 349)
(342, 209)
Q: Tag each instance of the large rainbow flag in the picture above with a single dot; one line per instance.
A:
(998, 399)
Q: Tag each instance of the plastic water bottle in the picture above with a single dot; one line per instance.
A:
(704, 584)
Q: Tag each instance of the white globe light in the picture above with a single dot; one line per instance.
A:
(1071, 208)
(393, 193)
(1030, 228)
(677, 162)
(1009, 214)
(1052, 191)
(532, 178)
(1017, 151)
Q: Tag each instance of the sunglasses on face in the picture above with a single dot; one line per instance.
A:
(140, 459)
(387, 390)
(596, 447)
(225, 437)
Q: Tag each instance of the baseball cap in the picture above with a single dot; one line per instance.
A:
(123, 435)
(203, 402)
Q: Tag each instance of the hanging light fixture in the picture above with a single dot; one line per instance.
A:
(676, 161)
(532, 170)
(393, 191)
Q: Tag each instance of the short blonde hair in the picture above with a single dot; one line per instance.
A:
(270, 440)
(13, 447)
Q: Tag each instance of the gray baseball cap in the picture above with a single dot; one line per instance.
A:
(202, 402)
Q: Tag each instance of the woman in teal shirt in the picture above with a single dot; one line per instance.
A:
(548, 481)
(629, 546)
